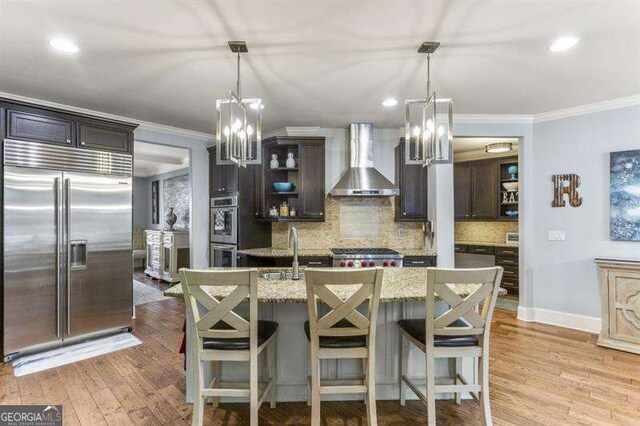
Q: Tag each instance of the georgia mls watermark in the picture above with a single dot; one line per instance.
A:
(30, 415)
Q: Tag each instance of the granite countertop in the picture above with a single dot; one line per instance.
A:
(398, 284)
(274, 252)
(485, 243)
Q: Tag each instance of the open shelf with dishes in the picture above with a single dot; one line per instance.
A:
(290, 185)
(509, 189)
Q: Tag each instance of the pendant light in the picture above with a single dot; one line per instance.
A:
(239, 123)
(428, 123)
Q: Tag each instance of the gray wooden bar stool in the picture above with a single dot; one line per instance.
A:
(223, 335)
(343, 332)
(459, 332)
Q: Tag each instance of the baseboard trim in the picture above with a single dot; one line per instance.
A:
(561, 319)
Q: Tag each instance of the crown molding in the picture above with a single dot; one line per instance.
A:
(143, 125)
(587, 109)
(493, 118)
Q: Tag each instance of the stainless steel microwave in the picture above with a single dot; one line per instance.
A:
(224, 220)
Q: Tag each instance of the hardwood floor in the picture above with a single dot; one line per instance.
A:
(540, 374)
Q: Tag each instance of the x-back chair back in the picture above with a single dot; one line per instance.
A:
(461, 331)
(214, 322)
(343, 332)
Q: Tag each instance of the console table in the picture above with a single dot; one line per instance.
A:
(620, 296)
(167, 252)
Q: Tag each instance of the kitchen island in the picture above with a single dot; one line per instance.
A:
(284, 301)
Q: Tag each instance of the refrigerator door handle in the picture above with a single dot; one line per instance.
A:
(58, 208)
(67, 203)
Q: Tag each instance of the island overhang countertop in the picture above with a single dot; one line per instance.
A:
(398, 284)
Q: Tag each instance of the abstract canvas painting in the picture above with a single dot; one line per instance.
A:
(625, 195)
(176, 193)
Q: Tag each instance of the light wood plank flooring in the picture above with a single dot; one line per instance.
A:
(540, 374)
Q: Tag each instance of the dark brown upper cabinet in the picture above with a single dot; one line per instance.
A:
(411, 205)
(311, 166)
(307, 177)
(462, 190)
(104, 137)
(27, 124)
(32, 123)
(484, 190)
(223, 178)
(477, 187)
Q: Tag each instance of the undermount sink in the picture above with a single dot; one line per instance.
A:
(279, 276)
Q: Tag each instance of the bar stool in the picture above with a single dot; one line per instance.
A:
(459, 332)
(343, 332)
(223, 335)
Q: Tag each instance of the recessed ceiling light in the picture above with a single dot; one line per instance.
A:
(564, 43)
(389, 102)
(498, 147)
(63, 45)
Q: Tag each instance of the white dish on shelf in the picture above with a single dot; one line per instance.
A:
(510, 186)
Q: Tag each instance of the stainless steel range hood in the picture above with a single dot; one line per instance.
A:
(361, 179)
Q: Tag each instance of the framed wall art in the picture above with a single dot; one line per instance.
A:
(624, 195)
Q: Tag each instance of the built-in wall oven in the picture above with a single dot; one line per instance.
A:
(224, 220)
(224, 231)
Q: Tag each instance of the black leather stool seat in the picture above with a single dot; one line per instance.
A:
(265, 331)
(416, 328)
(338, 342)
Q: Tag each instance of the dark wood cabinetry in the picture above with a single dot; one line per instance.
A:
(34, 126)
(477, 189)
(104, 137)
(419, 261)
(307, 177)
(484, 190)
(507, 257)
(462, 190)
(32, 123)
(286, 261)
(411, 204)
(223, 178)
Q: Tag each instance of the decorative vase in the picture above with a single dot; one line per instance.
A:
(171, 218)
(291, 163)
(274, 161)
(513, 172)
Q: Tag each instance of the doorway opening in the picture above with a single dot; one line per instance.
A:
(487, 208)
(161, 218)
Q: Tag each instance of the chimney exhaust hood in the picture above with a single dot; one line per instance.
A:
(361, 179)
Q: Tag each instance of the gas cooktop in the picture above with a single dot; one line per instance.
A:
(369, 251)
(359, 257)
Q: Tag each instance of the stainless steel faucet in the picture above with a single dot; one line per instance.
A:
(293, 241)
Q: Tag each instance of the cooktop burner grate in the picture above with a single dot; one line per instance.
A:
(363, 251)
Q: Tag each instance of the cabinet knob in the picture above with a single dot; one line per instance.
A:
(82, 143)
(68, 140)
(321, 214)
(404, 213)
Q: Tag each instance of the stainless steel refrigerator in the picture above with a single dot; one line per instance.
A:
(67, 228)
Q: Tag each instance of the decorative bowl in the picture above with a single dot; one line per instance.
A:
(283, 186)
(510, 186)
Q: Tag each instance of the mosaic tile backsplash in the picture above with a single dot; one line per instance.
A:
(488, 232)
(352, 222)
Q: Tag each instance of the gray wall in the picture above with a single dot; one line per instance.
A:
(141, 203)
(142, 199)
(565, 275)
(199, 175)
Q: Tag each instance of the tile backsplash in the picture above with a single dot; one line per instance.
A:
(353, 222)
(489, 232)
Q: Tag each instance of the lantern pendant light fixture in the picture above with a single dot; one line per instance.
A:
(428, 123)
(239, 123)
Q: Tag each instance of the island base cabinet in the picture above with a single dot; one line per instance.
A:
(620, 292)
(292, 355)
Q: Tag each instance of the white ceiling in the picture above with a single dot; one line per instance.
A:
(152, 159)
(322, 63)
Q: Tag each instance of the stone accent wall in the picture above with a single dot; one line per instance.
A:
(353, 222)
